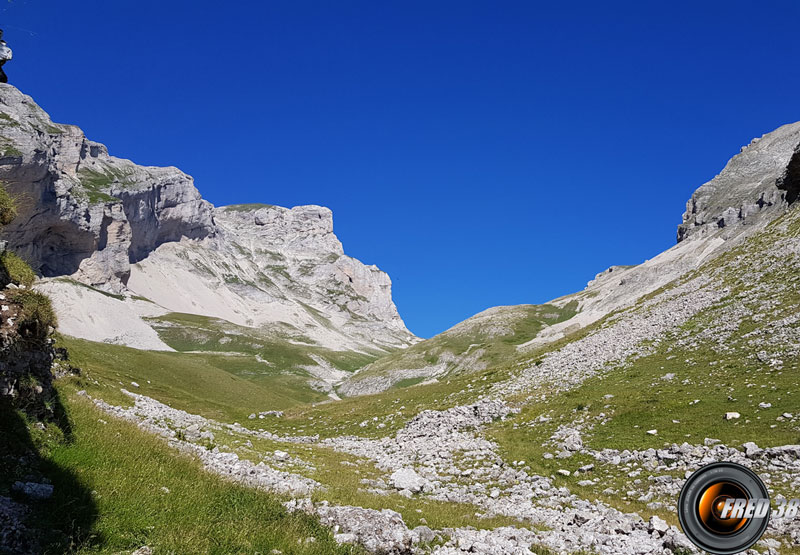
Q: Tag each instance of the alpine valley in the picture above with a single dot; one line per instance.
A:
(228, 380)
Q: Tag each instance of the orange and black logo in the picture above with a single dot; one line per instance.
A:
(724, 508)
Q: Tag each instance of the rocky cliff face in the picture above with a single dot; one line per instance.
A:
(82, 212)
(268, 266)
(758, 182)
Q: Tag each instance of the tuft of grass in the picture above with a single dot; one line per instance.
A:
(17, 270)
(77, 283)
(8, 208)
(38, 315)
(95, 184)
(9, 150)
(6, 120)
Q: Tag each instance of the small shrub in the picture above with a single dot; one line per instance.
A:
(16, 269)
(37, 313)
(8, 209)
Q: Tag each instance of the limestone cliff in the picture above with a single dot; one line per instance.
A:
(83, 212)
(268, 265)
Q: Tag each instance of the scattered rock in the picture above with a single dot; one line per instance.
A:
(34, 490)
(657, 524)
(407, 479)
(423, 534)
(751, 449)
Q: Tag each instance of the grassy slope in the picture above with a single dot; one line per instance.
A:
(109, 496)
(215, 386)
(341, 473)
(191, 332)
(523, 322)
(724, 378)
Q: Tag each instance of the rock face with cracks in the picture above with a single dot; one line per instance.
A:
(81, 211)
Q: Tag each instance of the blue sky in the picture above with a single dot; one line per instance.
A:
(482, 153)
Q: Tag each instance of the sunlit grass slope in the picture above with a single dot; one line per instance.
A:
(118, 488)
(213, 385)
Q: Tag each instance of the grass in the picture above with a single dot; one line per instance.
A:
(8, 208)
(180, 381)
(16, 269)
(96, 183)
(409, 382)
(110, 496)
(8, 121)
(53, 130)
(642, 401)
(384, 413)
(342, 475)
(9, 150)
(212, 385)
(229, 388)
(247, 207)
(277, 345)
(38, 316)
(77, 283)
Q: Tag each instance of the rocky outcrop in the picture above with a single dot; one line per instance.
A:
(82, 212)
(755, 184)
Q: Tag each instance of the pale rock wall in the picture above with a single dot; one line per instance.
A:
(82, 212)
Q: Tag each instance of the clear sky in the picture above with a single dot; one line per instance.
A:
(482, 153)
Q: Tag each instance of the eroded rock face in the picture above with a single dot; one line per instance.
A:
(82, 212)
(756, 183)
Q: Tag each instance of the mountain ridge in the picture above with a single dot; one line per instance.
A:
(755, 186)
